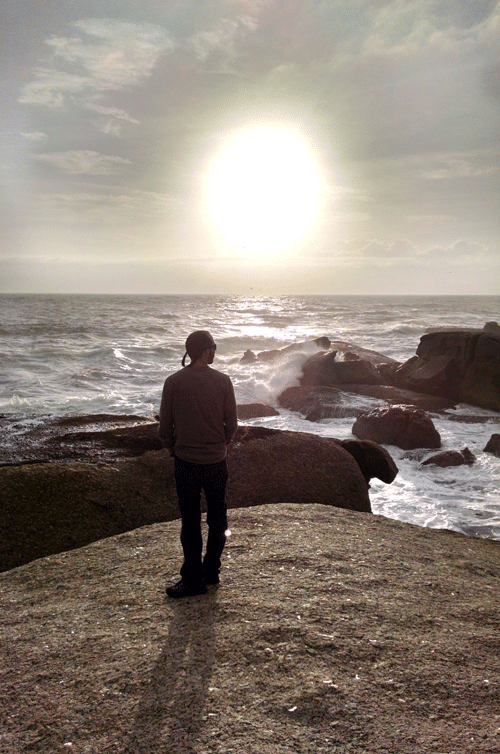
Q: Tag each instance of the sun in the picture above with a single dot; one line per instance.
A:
(263, 190)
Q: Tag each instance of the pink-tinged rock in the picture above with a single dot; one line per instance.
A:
(493, 445)
(323, 369)
(462, 365)
(316, 403)
(451, 458)
(276, 353)
(406, 427)
(254, 410)
(373, 459)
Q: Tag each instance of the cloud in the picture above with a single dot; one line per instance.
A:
(51, 87)
(446, 167)
(358, 248)
(113, 208)
(78, 162)
(112, 56)
(459, 251)
(35, 136)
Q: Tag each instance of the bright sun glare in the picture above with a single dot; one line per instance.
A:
(264, 190)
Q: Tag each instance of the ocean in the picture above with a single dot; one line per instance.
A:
(84, 354)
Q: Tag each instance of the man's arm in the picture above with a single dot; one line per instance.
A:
(230, 413)
(166, 429)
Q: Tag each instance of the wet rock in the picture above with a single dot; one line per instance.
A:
(404, 426)
(451, 458)
(254, 410)
(493, 445)
(248, 357)
(461, 365)
(316, 403)
(394, 395)
(325, 369)
(276, 353)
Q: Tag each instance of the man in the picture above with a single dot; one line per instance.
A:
(197, 422)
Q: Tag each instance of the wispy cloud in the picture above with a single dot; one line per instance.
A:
(111, 55)
(35, 136)
(78, 162)
(112, 208)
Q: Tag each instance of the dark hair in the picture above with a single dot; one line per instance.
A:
(196, 343)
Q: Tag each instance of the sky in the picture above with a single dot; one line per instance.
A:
(250, 146)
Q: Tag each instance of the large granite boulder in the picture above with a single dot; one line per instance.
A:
(373, 459)
(461, 365)
(316, 403)
(272, 466)
(326, 369)
(406, 427)
(331, 632)
(53, 505)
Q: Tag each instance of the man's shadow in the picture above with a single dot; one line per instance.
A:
(171, 712)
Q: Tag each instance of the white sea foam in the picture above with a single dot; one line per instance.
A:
(54, 359)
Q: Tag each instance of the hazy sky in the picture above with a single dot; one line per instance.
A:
(260, 146)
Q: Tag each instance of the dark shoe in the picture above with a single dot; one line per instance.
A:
(211, 578)
(181, 589)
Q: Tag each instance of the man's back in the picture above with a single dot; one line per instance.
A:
(198, 414)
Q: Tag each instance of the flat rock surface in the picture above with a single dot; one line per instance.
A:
(332, 631)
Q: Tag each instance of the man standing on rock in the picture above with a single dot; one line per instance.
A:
(197, 422)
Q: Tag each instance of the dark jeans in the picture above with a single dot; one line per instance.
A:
(190, 479)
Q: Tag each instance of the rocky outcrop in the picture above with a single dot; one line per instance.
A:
(103, 490)
(451, 458)
(316, 403)
(331, 631)
(249, 356)
(325, 369)
(255, 410)
(404, 426)
(372, 459)
(461, 365)
(394, 395)
(493, 445)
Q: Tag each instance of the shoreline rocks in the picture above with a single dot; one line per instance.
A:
(461, 365)
(111, 481)
(451, 458)
(493, 445)
(404, 426)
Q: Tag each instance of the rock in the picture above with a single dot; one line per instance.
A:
(276, 353)
(95, 655)
(316, 403)
(451, 458)
(272, 466)
(461, 365)
(351, 352)
(492, 327)
(325, 369)
(373, 459)
(493, 445)
(395, 395)
(248, 357)
(254, 410)
(53, 506)
(404, 426)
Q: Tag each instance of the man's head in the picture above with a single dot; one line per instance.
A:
(197, 343)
